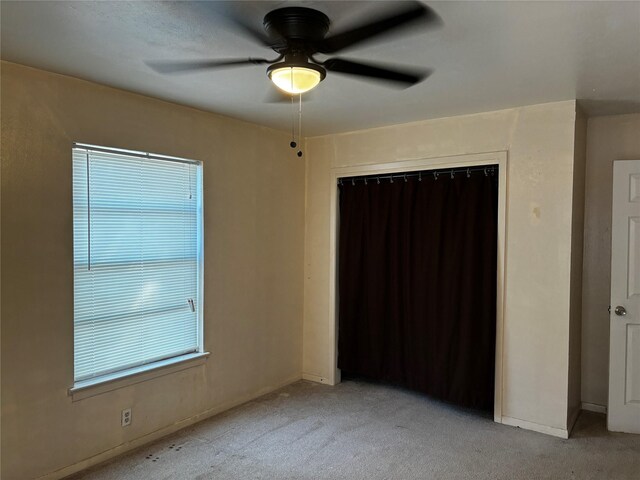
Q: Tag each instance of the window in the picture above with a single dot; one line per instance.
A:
(137, 231)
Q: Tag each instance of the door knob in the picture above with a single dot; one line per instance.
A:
(620, 311)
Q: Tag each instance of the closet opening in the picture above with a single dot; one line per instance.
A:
(417, 281)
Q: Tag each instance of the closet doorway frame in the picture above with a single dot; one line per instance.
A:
(499, 158)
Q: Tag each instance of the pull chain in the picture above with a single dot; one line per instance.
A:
(300, 124)
(293, 143)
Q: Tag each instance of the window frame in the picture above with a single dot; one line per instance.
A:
(130, 375)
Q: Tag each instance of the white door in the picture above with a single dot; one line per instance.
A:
(624, 356)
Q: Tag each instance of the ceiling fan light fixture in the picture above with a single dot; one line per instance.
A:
(295, 79)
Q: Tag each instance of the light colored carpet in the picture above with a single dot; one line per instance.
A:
(360, 430)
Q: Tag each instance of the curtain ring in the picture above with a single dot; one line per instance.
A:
(419, 176)
(468, 173)
(405, 178)
(353, 182)
(391, 178)
(452, 175)
(435, 175)
(365, 181)
(485, 172)
(378, 179)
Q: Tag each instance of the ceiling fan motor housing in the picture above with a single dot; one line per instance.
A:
(293, 27)
(294, 31)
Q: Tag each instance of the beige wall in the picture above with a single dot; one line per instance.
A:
(608, 139)
(254, 228)
(540, 144)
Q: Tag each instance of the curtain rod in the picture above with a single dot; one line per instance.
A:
(489, 170)
(133, 153)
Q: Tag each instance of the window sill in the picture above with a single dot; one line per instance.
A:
(107, 383)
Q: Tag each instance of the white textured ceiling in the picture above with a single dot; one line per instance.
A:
(487, 56)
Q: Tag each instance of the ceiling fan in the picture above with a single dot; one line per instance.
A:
(299, 34)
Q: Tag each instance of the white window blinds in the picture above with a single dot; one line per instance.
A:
(137, 259)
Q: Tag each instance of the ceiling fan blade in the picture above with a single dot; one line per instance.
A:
(189, 66)
(235, 14)
(378, 27)
(252, 32)
(379, 72)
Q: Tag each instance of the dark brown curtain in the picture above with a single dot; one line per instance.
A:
(417, 283)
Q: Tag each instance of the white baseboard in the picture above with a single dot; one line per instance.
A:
(594, 407)
(163, 432)
(315, 378)
(536, 427)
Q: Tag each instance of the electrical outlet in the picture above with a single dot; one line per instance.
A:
(126, 417)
